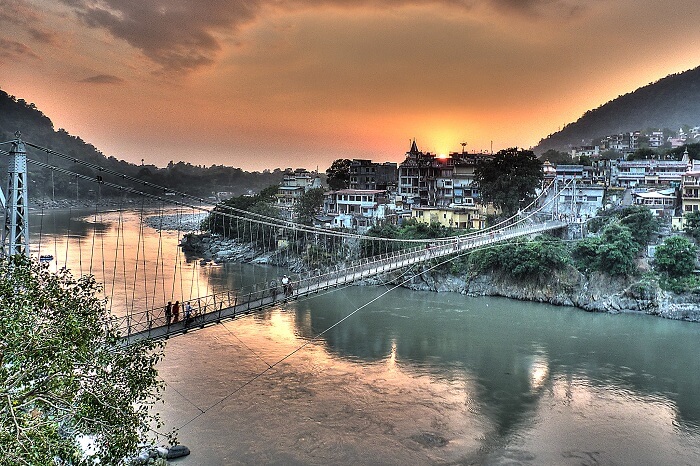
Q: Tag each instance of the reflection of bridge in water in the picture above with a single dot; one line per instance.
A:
(334, 255)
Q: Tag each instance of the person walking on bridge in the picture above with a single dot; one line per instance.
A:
(176, 312)
(168, 312)
(188, 313)
(286, 286)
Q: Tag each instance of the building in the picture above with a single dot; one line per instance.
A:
(661, 203)
(426, 180)
(358, 209)
(463, 217)
(365, 174)
(690, 192)
(652, 172)
(585, 151)
(569, 172)
(581, 200)
(415, 172)
(294, 185)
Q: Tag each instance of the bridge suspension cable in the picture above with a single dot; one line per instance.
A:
(264, 219)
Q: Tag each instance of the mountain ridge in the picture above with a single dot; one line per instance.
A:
(670, 102)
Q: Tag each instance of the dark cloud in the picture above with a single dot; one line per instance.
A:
(103, 79)
(181, 35)
(12, 50)
(45, 37)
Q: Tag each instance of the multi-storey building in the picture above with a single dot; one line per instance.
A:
(415, 173)
(294, 185)
(569, 172)
(631, 173)
(358, 209)
(428, 180)
(618, 142)
(690, 192)
(365, 174)
(656, 139)
(585, 151)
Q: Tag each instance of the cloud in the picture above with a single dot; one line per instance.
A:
(103, 79)
(45, 37)
(12, 50)
(185, 35)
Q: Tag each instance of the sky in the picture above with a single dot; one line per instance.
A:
(263, 84)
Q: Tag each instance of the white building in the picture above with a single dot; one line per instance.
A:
(358, 209)
(661, 202)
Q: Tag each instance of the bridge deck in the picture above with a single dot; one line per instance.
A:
(229, 305)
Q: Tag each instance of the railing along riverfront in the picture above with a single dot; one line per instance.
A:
(208, 310)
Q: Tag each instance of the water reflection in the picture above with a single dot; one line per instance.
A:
(139, 267)
(515, 351)
(413, 378)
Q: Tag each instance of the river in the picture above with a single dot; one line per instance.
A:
(419, 377)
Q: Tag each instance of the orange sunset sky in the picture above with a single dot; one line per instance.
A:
(298, 83)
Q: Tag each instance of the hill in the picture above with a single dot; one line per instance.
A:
(18, 114)
(668, 103)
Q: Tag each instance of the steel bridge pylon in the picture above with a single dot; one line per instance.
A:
(15, 236)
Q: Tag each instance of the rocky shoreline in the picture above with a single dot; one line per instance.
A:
(569, 287)
(594, 293)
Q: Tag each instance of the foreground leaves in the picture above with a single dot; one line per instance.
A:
(65, 375)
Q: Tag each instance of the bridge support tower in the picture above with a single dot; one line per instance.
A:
(15, 236)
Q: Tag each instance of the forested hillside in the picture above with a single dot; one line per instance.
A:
(668, 103)
(17, 114)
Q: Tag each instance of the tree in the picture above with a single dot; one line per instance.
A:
(675, 257)
(641, 222)
(692, 224)
(617, 250)
(643, 153)
(556, 157)
(339, 174)
(65, 373)
(639, 219)
(509, 179)
(308, 205)
(613, 252)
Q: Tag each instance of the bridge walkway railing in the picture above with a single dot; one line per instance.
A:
(208, 310)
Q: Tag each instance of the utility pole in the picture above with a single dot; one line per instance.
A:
(15, 236)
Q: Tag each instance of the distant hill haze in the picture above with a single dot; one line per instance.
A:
(668, 103)
(18, 114)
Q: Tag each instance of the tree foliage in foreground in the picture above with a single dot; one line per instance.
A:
(410, 229)
(339, 174)
(65, 374)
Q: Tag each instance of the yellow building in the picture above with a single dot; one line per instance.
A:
(452, 217)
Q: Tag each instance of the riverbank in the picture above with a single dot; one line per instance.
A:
(569, 287)
(115, 203)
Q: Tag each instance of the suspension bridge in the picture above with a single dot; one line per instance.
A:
(136, 294)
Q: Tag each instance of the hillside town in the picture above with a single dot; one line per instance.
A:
(431, 188)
